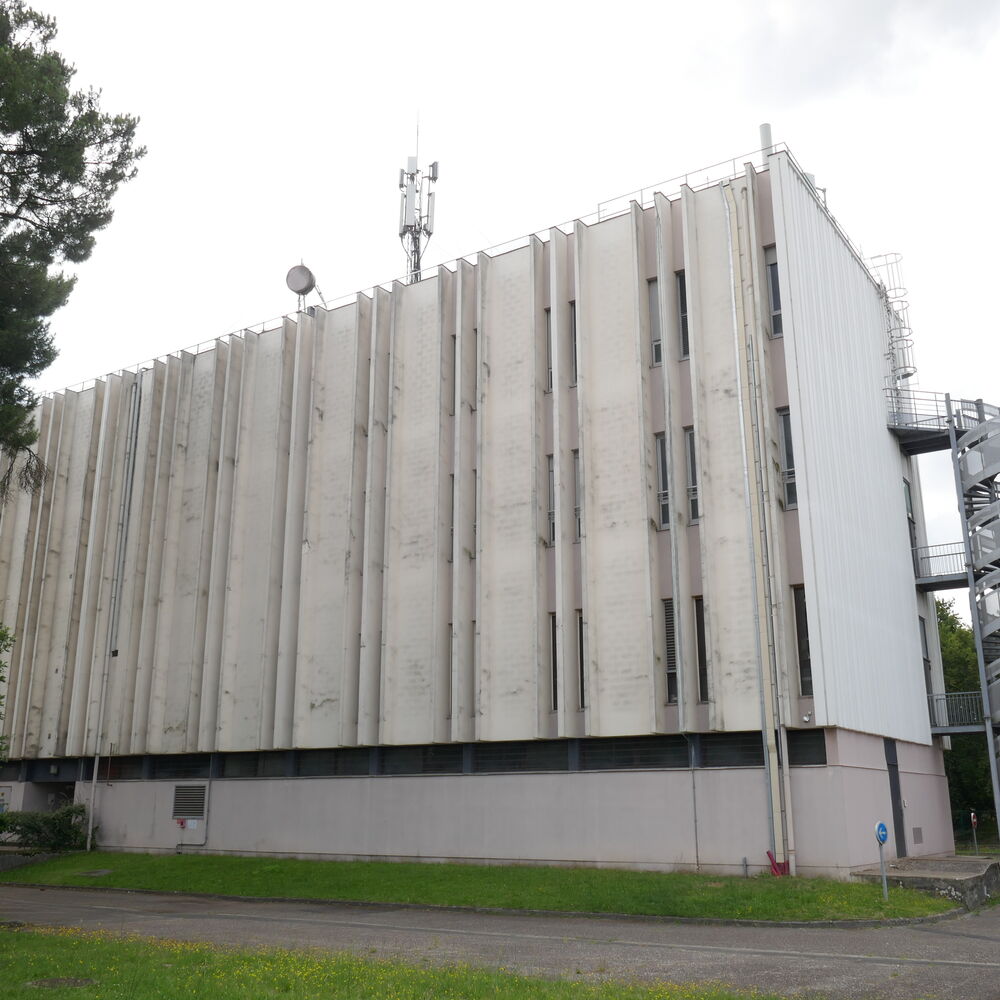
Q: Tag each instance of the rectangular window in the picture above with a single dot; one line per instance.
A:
(699, 627)
(552, 498)
(671, 649)
(548, 349)
(791, 497)
(802, 641)
(694, 507)
(572, 342)
(682, 314)
(581, 663)
(773, 290)
(555, 661)
(653, 296)
(662, 493)
(926, 653)
(577, 496)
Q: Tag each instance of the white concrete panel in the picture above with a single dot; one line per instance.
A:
(571, 716)
(861, 601)
(186, 539)
(727, 561)
(377, 424)
(329, 612)
(415, 643)
(218, 579)
(616, 451)
(463, 570)
(250, 640)
(513, 473)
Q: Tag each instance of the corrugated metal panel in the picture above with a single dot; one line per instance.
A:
(855, 547)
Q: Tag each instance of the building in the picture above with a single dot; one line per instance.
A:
(595, 549)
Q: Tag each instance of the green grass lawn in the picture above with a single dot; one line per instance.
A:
(133, 968)
(594, 890)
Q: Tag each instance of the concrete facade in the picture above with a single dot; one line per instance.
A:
(495, 505)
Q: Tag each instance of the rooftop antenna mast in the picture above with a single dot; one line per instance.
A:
(416, 213)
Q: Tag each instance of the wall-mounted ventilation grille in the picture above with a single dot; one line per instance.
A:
(189, 765)
(189, 801)
(634, 752)
(806, 746)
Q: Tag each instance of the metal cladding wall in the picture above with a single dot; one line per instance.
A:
(337, 532)
(863, 608)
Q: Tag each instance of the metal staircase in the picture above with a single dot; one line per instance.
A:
(924, 422)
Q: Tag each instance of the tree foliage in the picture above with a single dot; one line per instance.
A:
(966, 764)
(61, 161)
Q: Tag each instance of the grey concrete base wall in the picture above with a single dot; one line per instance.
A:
(837, 807)
(629, 819)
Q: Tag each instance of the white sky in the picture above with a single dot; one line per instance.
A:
(276, 132)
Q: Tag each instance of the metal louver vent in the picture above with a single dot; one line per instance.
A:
(189, 802)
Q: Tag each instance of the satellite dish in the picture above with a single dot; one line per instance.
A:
(300, 280)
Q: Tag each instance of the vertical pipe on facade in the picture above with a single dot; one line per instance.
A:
(757, 498)
(977, 631)
(121, 537)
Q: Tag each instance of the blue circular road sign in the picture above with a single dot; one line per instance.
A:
(881, 833)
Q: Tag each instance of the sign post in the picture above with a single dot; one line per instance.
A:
(975, 843)
(882, 835)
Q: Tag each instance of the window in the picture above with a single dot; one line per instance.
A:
(926, 653)
(548, 349)
(671, 650)
(581, 665)
(912, 524)
(802, 640)
(553, 642)
(682, 313)
(572, 341)
(577, 496)
(552, 498)
(662, 493)
(653, 295)
(699, 627)
(694, 508)
(791, 498)
(773, 291)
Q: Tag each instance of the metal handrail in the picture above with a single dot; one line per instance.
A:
(940, 560)
(956, 708)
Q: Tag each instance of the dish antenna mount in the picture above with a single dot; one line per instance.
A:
(302, 281)
(416, 213)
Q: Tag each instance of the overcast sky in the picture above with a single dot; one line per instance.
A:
(276, 132)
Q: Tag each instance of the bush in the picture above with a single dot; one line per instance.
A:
(62, 830)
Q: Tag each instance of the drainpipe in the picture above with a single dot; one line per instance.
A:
(755, 481)
(114, 614)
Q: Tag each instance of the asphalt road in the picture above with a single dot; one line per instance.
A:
(957, 959)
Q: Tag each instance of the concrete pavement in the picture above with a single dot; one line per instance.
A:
(957, 959)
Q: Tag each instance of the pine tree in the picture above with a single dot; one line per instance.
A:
(61, 162)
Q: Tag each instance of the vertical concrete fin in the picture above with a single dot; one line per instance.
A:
(464, 507)
(615, 465)
(571, 714)
(510, 521)
(414, 616)
(377, 424)
(218, 572)
(305, 386)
